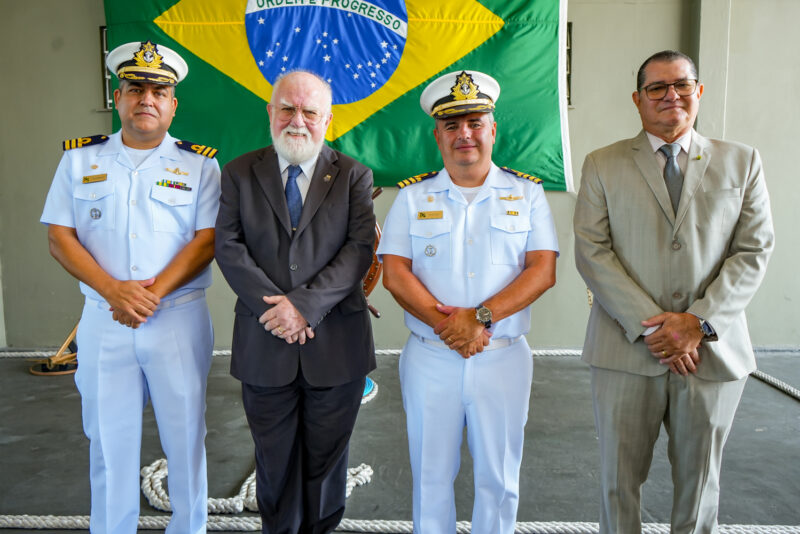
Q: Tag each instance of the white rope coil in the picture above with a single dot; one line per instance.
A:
(253, 524)
(153, 489)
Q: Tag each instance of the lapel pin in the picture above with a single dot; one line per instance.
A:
(94, 166)
(327, 178)
(699, 157)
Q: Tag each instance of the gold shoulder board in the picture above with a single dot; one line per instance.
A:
(80, 142)
(416, 179)
(520, 174)
(203, 150)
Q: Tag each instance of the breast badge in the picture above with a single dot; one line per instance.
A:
(95, 213)
(430, 251)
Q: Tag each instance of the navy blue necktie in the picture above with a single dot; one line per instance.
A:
(293, 198)
(672, 173)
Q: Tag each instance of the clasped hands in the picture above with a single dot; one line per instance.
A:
(131, 303)
(284, 321)
(461, 331)
(676, 341)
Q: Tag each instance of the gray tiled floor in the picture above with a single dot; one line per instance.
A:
(43, 453)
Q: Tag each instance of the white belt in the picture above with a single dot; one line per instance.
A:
(171, 303)
(499, 343)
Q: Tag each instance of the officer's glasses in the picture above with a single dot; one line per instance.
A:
(658, 90)
(287, 113)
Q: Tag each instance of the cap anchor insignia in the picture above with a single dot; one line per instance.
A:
(460, 93)
(147, 62)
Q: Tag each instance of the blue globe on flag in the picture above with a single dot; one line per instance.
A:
(353, 44)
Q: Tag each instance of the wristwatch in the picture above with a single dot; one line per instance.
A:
(483, 315)
(705, 328)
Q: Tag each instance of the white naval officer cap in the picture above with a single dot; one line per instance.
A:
(147, 62)
(459, 93)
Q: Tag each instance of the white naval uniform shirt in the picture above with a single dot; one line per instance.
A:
(469, 252)
(132, 226)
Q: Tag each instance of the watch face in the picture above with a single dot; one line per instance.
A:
(484, 314)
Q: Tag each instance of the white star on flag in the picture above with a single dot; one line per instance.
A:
(285, 58)
(261, 20)
(384, 44)
(326, 57)
(269, 53)
(355, 76)
(297, 30)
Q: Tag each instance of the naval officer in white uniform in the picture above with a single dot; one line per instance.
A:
(131, 215)
(465, 251)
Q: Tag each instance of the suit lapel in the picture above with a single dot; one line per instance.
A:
(646, 161)
(325, 173)
(268, 174)
(699, 157)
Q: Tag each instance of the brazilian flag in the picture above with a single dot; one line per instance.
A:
(378, 56)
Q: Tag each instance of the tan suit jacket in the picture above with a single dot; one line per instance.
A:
(639, 259)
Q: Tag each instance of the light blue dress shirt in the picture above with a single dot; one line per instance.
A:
(128, 218)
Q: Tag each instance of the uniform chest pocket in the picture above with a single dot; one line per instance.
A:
(509, 238)
(94, 206)
(172, 209)
(431, 244)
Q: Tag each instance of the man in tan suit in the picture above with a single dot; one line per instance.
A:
(673, 242)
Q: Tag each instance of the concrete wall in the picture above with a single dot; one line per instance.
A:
(749, 89)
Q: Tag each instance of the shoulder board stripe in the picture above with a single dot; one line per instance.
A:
(520, 174)
(79, 142)
(416, 179)
(203, 150)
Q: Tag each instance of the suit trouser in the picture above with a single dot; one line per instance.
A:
(167, 360)
(302, 435)
(489, 393)
(697, 415)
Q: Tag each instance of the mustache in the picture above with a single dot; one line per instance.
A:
(289, 130)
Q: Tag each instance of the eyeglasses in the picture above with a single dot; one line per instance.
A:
(658, 90)
(287, 113)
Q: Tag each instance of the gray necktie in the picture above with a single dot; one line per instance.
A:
(672, 173)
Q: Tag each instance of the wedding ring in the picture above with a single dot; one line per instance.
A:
(664, 353)
(280, 330)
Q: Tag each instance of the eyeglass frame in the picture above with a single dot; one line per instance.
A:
(283, 110)
(668, 85)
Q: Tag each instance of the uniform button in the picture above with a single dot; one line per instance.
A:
(676, 295)
(171, 201)
(471, 275)
(293, 267)
(135, 173)
(133, 202)
(512, 228)
(93, 196)
(133, 236)
(469, 241)
(676, 245)
(134, 268)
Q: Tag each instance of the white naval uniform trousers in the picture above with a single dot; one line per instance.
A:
(463, 254)
(133, 225)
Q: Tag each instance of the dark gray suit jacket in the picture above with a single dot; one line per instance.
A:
(319, 268)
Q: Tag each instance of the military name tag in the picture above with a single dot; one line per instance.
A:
(515, 213)
(430, 214)
(95, 178)
(511, 197)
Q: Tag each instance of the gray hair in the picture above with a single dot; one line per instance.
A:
(325, 84)
(665, 56)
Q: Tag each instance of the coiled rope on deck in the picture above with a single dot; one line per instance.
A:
(253, 524)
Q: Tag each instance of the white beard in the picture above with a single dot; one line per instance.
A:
(296, 149)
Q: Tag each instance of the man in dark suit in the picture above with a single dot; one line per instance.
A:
(294, 239)
(672, 234)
